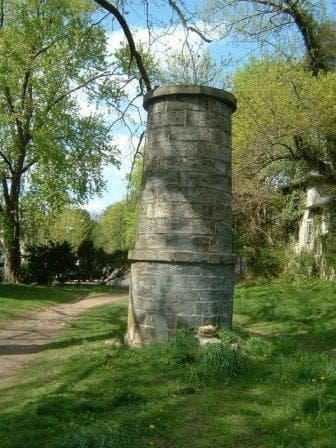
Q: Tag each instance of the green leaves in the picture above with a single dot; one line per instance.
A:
(49, 52)
(276, 102)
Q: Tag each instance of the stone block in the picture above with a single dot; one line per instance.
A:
(202, 308)
(173, 225)
(218, 137)
(218, 282)
(172, 117)
(213, 150)
(199, 282)
(185, 102)
(146, 225)
(189, 134)
(173, 148)
(204, 119)
(190, 321)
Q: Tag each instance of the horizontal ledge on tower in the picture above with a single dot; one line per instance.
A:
(190, 89)
(157, 256)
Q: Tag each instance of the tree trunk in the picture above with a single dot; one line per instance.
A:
(12, 242)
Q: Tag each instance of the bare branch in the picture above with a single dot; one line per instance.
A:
(305, 23)
(137, 152)
(132, 47)
(187, 27)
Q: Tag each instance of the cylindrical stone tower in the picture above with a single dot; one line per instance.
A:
(182, 270)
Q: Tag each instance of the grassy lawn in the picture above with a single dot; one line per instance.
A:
(302, 312)
(17, 299)
(251, 391)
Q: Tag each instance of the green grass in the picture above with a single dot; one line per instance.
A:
(252, 391)
(17, 299)
(303, 312)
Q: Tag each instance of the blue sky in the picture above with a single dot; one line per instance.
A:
(114, 177)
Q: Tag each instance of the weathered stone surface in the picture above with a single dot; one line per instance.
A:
(182, 265)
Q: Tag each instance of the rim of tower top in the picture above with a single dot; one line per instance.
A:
(192, 90)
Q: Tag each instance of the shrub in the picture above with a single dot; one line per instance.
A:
(50, 262)
(301, 266)
(97, 264)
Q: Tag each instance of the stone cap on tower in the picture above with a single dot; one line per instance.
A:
(190, 89)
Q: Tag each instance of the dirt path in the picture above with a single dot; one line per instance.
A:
(25, 335)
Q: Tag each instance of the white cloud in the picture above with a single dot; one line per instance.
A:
(161, 42)
(95, 207)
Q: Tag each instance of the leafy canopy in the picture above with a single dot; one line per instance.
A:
(53, 58)
(285, 119)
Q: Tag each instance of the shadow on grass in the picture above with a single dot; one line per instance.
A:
(38, 293)
(301, 312)
(98, 326)
(141, 407)
(122, 398)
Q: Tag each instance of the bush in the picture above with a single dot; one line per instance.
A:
(49, 262)
(263, 262)
(97, 264)
(301, 266)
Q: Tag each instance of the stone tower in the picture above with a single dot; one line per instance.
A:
(182, 270)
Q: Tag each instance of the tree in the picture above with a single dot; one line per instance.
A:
(72, 224)
(86, 254)
(116, 228)
(271, 22)
(192, 66)
(97, 264)
(281, 144)
(50, 51)
(278, 137)
(135, 54)
(111, 229)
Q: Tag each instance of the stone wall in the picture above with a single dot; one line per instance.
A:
(182, 266)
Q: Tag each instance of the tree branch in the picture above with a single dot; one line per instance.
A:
(28, 166)
(187, 27)
(5, 187)
(73, 90)
(133, 51)
(7, 161)
(306, 24)
(12, 110)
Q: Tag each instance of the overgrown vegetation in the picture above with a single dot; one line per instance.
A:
(271, 389)
(51, 263)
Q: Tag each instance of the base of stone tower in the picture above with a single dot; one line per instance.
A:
(166, 295)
